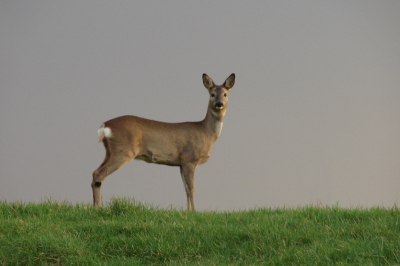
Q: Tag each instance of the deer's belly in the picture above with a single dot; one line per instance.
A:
(204, 159)
(159, 159)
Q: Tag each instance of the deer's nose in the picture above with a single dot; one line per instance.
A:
(219, 105)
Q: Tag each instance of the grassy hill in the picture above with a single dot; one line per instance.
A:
(128, 233)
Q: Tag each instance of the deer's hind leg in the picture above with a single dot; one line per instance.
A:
(112, 162)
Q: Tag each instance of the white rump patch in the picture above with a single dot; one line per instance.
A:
(104, 132)
(107, 132)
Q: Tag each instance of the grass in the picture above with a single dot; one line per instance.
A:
(128, 233)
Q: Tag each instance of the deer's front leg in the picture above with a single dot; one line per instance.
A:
(187, 173)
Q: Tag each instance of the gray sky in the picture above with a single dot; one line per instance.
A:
(314, 116)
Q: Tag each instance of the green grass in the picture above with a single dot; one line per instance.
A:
(129, 233)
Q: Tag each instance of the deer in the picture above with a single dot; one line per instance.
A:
(186, 144)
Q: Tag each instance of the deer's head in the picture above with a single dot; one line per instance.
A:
(218, 94)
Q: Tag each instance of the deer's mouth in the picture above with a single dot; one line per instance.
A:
(219, 106)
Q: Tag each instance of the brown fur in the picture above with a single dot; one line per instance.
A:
(186, 145)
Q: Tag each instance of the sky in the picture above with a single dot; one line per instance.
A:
(313, 118)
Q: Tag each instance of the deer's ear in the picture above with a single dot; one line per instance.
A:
(207, 81)
(230, 81)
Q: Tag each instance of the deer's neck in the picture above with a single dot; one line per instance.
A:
(213, 123)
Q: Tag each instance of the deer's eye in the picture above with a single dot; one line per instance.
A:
(224, 94)
(213, 95)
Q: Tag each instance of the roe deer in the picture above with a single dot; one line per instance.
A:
(186, 145)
